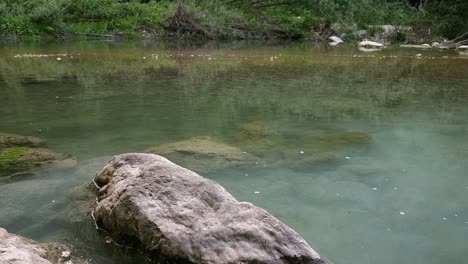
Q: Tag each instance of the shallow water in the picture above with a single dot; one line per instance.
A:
(401, 200)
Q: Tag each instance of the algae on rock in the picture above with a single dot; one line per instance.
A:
(12, 140)
(257, 138)
(9, 158)
(204, 154)
(19, 154)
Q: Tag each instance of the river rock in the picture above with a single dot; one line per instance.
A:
(463, 47)
(180, 217)
(16, 249)
(370, 44)
(12, 140)
(257, 138)
(334, 40)
(325, 147)
(24, 159)
(417, 46)
(204, 154)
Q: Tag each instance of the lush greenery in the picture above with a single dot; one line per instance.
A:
(228, 18)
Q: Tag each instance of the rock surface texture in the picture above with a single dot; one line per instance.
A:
(181, 217)
(16, 249)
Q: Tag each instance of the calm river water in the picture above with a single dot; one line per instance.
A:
(403, 199)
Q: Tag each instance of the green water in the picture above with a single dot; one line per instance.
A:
(404, 199)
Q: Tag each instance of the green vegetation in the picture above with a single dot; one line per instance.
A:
(9, 158)
(233, 19)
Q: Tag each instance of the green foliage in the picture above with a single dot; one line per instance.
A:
(231, 18)
(444, 17)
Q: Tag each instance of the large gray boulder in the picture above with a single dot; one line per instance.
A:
(181, 217)
(16, 249)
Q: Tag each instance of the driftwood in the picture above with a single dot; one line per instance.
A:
(183, 22)
(457, 42)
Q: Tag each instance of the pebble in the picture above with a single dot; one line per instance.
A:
(443, 218)
(59, 59)
(402, 213)
(348, 158)
(396, 188)
(257, 192)
(374, 189)
(66, 254)
(302, 152)
(53, 201)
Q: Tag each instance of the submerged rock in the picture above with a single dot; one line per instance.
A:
(23, 159)
(16, 249)
(363, 169)
(12, 140)
(257, 138)
(204, 154)
(325, 147)
(21, 155)
(181, 217)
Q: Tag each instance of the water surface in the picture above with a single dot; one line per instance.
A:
(403, 199)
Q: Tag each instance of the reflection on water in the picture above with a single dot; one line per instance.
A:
(403, 198)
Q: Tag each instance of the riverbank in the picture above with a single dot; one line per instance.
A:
(109, 19)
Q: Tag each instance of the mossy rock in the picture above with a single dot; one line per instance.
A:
(23, 159)
(12, 140)
(257, 138)
(10, 158)
(204, 154)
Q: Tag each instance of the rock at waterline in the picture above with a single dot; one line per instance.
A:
(22, 155)
(334, 40)
(204, 154)
(12, 140)
(421, 46)
(370, 44)
(24, 159)
(181, 217)
(463, 47)
(16, 249)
